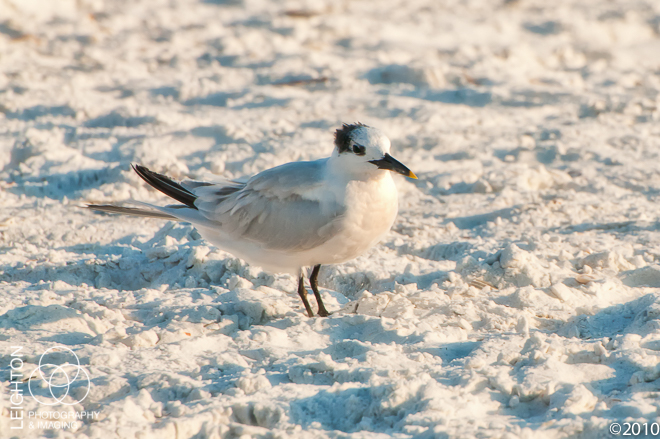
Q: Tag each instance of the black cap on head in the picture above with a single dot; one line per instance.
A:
(343, 136)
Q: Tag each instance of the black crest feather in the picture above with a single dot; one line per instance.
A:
(343, 136)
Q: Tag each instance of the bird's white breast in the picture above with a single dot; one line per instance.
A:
(371, 208)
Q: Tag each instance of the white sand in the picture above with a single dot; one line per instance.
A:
(518, 294)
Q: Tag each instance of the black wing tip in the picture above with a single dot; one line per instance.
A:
(139, 168)
(145, 172)
(343, 135)
(166, 185)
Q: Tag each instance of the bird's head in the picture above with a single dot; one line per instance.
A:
(362, 149)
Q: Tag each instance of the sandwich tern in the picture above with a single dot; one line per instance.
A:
(293, 216)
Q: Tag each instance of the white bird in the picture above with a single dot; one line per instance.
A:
(297, 215)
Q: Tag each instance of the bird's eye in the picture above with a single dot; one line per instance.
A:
(358, 149)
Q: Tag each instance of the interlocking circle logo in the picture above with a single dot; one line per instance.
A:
(59, 378)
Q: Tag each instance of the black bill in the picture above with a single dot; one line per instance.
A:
(391, 164)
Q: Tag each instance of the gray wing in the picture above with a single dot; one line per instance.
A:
(283, 208)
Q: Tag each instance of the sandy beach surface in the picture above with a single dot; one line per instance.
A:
(517, 295)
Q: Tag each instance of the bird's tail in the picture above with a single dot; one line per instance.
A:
(109, 208)
(186, 212)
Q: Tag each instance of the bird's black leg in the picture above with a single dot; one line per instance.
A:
(313, 280)
(302, 291)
